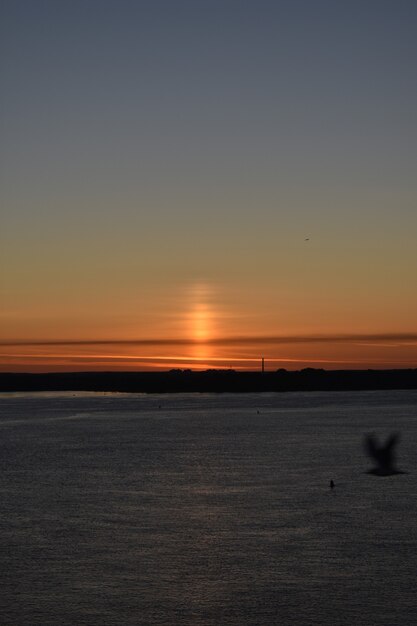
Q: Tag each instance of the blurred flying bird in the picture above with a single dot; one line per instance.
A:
(383, 455)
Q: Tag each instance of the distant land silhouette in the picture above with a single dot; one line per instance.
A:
(177, 381)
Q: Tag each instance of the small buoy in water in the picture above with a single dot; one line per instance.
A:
(331, 484)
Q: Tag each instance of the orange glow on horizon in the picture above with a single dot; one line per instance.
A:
(347, 354)
(201, 326)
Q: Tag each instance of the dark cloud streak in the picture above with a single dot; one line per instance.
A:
(400, 338)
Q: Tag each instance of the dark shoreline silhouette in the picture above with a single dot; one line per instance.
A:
(231, 381)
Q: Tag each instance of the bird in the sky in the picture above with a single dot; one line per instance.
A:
(383, 455)
(308, 239)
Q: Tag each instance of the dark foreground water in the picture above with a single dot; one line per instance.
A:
(197, 509)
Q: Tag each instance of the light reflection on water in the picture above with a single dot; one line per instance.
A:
(195, 509)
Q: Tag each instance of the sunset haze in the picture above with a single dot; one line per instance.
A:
(200, 184)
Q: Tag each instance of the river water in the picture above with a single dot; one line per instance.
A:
(206, 510)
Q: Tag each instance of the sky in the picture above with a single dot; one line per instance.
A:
(200, 183)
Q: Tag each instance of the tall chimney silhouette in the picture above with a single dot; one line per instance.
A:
(263, 364)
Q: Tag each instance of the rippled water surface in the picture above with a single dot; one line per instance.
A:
(206, 509)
